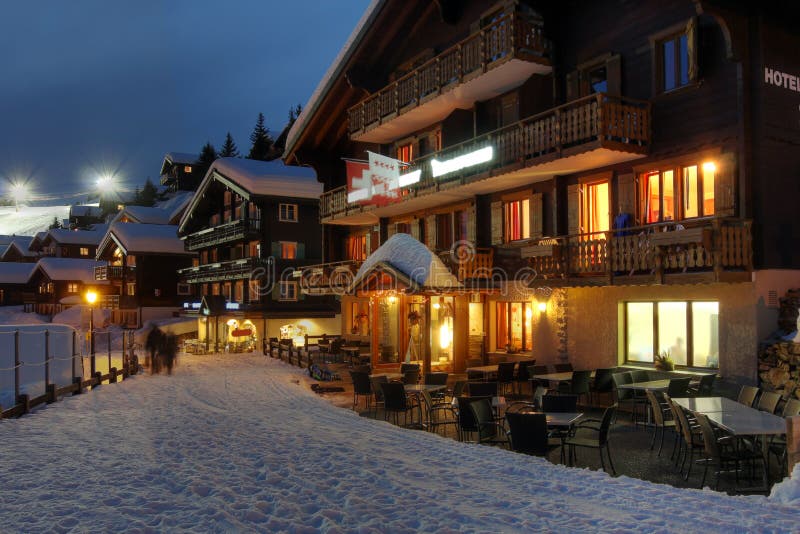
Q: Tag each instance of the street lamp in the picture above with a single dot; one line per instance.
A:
(91, 298)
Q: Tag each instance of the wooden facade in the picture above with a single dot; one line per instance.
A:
(630, 144)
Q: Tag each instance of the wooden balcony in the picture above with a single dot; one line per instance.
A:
(708, 250)
(487, 63)
(469, 263)
(114, 272)
(224, 270)
(332, 278)
(582, 135)
(223, 233)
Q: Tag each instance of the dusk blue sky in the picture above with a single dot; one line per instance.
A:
(90, 85)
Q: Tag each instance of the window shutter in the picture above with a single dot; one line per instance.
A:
(573, 209)
(537, 215)
(471, 229)
(614, 75)
(573, 86)
(691, 47)
(430, 231)
(415, 229)
(368, 242)
(276, 249)
(626, 194)
(725, 187)
(497, 223)
(276, 291)
(301, 251)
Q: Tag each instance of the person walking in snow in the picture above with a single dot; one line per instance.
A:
(152, 344)
(168, 351)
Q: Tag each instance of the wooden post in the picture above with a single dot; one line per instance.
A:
(25, 401)
(50, 389)
(74, 348)
(108, 336)
(16, 364)
(47, 360)
(79, 381)
(98, 376)
(112, 375)
(792, 442)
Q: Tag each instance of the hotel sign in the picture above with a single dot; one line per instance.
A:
(378, 181)
(781, 79)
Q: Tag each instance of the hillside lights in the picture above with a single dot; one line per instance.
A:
(440, 168)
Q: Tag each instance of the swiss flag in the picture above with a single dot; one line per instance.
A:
(355, 176)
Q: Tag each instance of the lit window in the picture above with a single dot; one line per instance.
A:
(288, 291)
(288, 250)
(187, 169)
(661, 199)
(513, 325)
(84, 251)
(516, 220)
(357, 247)
(72, 287)
(676, 59)
(687, 331)
(405, 152)
(131, 289)
(287, 212)
(254, 289)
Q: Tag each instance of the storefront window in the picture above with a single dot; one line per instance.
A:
(388, 330)
(513, 326)
(441, 332)
(687, 331)
(416, 328)
(359, 318)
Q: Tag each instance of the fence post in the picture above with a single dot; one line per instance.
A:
(46, 358)
(16, 365)
(108, 336)
(792, 442)
(74, 346)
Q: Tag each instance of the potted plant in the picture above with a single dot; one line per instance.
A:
(663, 361)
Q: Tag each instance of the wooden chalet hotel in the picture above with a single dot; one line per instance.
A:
(614, 175)
(253, 224)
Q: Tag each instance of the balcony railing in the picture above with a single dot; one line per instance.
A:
(710, 246)
(513, 36)
(328, 278)
(592, 122)
(223, 233)
(113, 272)
(225, 270)
(468, 263)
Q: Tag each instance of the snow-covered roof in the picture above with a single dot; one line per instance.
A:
(77, 237)
(334, 72)
(252, 177)
(21, 244)
(175, 205)
(412, 260)
(6, 239)
(145, 215)
(69, 269)
(183, 158)
(15, 272)
(134, 238)
(85, 210)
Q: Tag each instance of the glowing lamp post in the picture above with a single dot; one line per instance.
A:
(91, 298)
(19, 192)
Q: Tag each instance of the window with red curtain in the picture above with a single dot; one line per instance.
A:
(516, 220)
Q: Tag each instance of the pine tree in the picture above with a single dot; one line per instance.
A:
(55, 224)
(148, 194)
(262, 142)
(207, 156)
(229, 149)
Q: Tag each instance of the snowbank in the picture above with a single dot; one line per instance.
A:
(788, 491)
(78, 317)
(239, 443)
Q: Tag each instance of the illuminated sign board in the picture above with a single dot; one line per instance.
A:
(440, 168)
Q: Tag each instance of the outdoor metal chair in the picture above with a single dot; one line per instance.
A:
(522, 376)
(718, 454)
(679, 387)
(659, 421)
(563, 367)
(505, 376)
(482, 389)
(600, 439)
(466, 421)
(603, 382)
(361, 388)
(487, 429)
(747, 395)
(705, 388)
(768, 401)
(528, 434)
(396, 402)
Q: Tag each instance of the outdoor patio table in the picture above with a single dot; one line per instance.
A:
(487, 370)
(389, 376)
(417, 389)
(651, 385)
(708, 405)
(746, 421)
(352, 351)
(556, 377)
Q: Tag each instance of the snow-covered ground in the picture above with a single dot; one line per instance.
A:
(29, 219)
(240, 443)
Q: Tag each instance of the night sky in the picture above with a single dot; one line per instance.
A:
(92, 86)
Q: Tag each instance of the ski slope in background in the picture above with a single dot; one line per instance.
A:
(29, 219)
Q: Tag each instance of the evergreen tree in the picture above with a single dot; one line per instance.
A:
(229, 149)
(207, 156)
(262, 142)
(148, 194)
(55, 224)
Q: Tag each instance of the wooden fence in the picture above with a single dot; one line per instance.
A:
(24, 402)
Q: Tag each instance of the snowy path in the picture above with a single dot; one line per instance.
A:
(232, 443)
